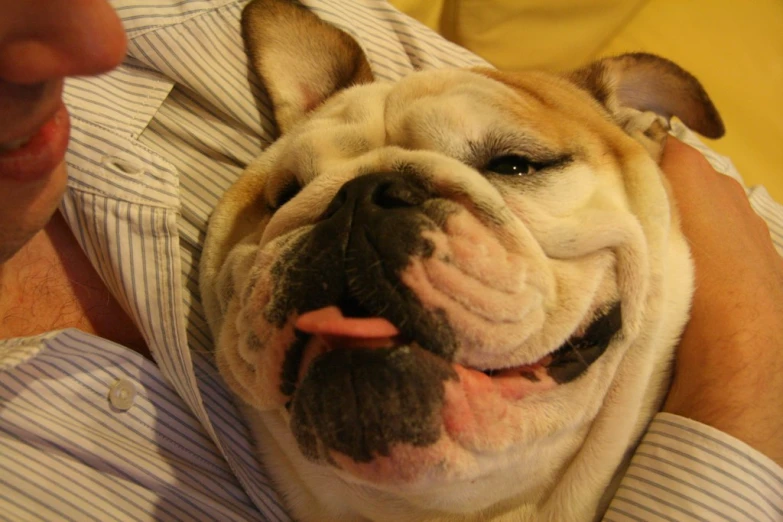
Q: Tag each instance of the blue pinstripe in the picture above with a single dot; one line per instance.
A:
(183, 109)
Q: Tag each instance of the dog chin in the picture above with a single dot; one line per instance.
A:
(396, 414)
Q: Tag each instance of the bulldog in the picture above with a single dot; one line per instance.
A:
(455, 296)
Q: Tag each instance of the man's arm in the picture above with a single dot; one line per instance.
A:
(716, 451)
(729, 366)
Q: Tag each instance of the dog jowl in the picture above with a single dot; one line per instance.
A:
(453, 296)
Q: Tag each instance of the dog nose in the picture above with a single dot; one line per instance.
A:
(378, 192)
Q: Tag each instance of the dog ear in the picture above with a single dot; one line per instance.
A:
(300, 59)
(645, 82)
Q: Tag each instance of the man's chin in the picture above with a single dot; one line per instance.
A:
(26, 208)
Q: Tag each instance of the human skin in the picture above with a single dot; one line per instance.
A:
(46, 281)
(41, 43)
(729, 365)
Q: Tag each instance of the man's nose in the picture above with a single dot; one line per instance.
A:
(46, 40)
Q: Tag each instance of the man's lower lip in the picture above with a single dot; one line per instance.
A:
(42, 153)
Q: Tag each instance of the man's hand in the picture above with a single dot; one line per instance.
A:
(729, 366)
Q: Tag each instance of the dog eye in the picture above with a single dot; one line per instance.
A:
(511, 165)
(284, 195)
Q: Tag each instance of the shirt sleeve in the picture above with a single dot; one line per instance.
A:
(92, 431)
(684, 470)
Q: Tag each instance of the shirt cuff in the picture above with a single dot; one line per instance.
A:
(686, 470)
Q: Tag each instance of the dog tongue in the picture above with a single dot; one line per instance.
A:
(337, 329)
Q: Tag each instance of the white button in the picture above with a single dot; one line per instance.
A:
(122, 394)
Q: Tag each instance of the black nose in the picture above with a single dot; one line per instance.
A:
(371, 193)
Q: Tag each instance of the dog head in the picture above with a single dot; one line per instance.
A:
(454, 293)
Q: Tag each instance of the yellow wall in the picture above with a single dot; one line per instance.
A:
(736, 50)
(734, 47)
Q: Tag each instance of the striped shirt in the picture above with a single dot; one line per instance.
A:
(92, 431)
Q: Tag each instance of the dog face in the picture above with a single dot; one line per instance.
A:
(452, 294)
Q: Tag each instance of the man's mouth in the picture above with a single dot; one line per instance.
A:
(33, 157)
(343, 327)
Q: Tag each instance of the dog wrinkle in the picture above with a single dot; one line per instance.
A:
(292, 363)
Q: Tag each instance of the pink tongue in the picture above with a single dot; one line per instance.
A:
(330, 322)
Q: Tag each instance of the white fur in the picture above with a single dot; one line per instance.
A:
(596, 230)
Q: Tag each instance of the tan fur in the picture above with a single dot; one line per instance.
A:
(325, 50)
(597, 229)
